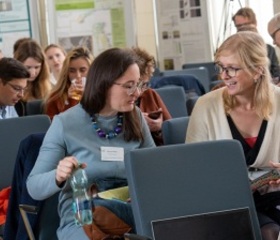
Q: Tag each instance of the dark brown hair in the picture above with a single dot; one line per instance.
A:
(104, 71)
(11, 69)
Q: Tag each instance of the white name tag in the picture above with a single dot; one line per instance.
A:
(112, 154)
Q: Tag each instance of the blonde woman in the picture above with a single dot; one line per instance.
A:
(55, 56)
(245, 109)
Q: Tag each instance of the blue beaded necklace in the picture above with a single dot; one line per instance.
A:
(111, 134)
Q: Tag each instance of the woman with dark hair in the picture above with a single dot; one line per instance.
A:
(99, 132)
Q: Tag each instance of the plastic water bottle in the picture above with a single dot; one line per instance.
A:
(82, 202)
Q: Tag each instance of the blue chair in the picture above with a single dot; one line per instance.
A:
(34, 107)
(190, 104)
(13, 130)
(186, 179)
(201, 73)
(190, 83)
(210, 66)
(174, 130)
(175, 100)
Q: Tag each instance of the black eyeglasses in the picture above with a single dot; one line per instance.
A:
(230, 71)
(17, 89)
(274, 33)
(131, 87)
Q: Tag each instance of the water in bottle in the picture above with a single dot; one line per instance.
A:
(82, 201)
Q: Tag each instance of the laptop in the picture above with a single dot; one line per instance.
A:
(222, 225)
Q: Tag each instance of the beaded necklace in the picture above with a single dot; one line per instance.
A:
(111, 134)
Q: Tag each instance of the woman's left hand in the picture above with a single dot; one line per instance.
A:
(275, 165)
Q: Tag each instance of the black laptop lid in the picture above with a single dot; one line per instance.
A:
(223, 225)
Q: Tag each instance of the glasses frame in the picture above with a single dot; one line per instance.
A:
(274, 33)
(141, 86)
(17, 89)
(230, 71)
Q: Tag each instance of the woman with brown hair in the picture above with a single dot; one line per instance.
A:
(62, 96)
(32, 56)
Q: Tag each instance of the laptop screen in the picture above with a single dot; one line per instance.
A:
(230, 225)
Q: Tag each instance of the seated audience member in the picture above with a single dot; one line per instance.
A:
(55, 56)
(62, 96)
(246, 109)
(20, 41)
(149, 101)
(105, 117)
(32, 56)
(245, 17)
(13, 83)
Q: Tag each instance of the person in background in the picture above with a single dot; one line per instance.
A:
(273, 28)
(20, 41)
(75, 66)
(55, 56)
(31, 55)
(13, 83)
(149, 101)
(99, 132)
(246, 109)
(245, 17)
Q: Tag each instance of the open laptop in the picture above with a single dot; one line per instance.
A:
(223, 225)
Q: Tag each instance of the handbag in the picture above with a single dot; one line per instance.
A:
(106, 225)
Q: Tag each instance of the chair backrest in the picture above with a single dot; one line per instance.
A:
(175, 100)
(13, 130)
(174, 130)
(201, 73)
(34, 107)
(186, 179)
(190, 83)
(190, 104)
(210, 66)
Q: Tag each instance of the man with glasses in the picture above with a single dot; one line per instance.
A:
(245, 20)
(13, 83)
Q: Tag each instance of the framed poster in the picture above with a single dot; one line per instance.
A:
(182, 33)
(97, 24)
(15, 23)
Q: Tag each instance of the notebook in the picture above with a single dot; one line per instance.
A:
(230, 225)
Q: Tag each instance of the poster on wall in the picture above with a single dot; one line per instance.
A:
(96, 24)
(183, 33)
(15, 23)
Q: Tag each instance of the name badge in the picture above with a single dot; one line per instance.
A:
(112, 154)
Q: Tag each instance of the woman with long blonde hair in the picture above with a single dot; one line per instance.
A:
(245, 109)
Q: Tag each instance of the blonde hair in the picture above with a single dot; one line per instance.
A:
(251, 51)
(40, 87)
(60, 90)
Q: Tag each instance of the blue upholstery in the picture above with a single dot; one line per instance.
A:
(201, 73)
(34, 107)
(210, 66)
(13, 130)
(190, 104)
(175, 100)
(186, 179)
(190, 83)
(174, 130)
(44, 221)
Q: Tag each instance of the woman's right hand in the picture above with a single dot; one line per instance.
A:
(65, 168)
